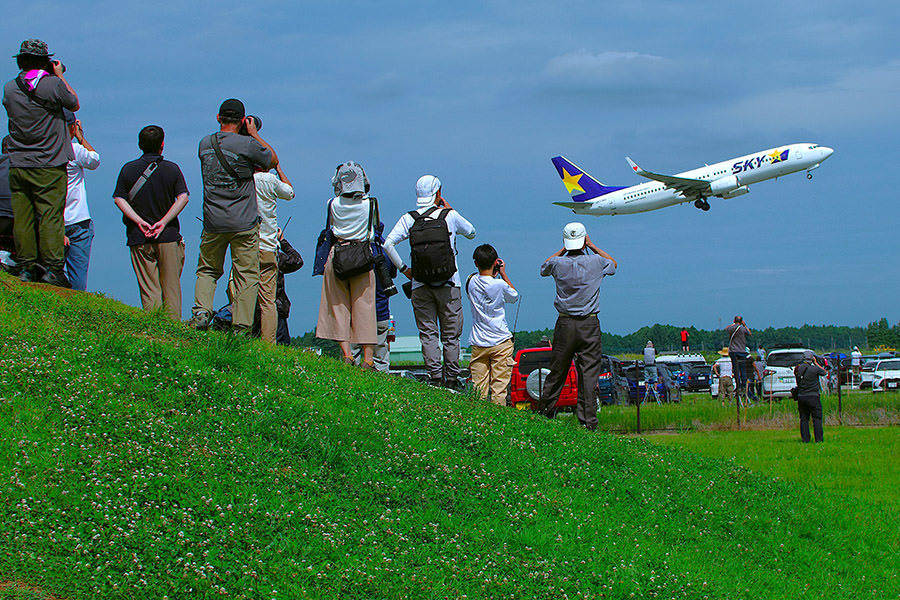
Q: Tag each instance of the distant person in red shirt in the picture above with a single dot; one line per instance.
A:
(685, 345)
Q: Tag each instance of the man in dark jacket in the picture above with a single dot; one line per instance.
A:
(808, 402)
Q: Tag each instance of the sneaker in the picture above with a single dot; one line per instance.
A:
(200, 320)
(56, 277)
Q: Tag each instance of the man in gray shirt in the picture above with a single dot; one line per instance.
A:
(650, 374)
(577, 273)
(39, 149)
(228, 160)
(737, 351)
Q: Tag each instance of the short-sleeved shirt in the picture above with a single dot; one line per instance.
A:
(855, 358)
(649, 356)
(487, 295)
(578, 280)
(154, 199)
(725, 369)
(738, 333)
(229, 204)
(269, 188)
(5, 194)
(38, 137)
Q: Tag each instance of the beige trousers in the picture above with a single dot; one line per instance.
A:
(158, 270)
(491, 370)
(244, 268)
(268, 279)
(347, 308)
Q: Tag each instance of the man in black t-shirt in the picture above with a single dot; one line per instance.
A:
(150, 213)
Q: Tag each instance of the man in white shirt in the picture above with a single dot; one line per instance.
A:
(269, 189)
(491, 341)
(437, 305)
(855, 364)
(723, 370)
(79, 234)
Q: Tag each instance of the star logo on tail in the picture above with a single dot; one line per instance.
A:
(571, 182)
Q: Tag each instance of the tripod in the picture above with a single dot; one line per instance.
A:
(650, 390)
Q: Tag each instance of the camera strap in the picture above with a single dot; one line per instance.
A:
(48, 106)
(151, 168)
(221, 156)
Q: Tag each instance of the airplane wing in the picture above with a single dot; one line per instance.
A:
(572, 205)
(688, 187)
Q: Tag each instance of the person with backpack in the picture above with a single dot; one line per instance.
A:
(809, 403)
(347, 308)
(436, 300)
(228, 160)
(39, 149)
(492, 343)
(151, 193)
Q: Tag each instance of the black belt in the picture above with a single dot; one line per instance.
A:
(578, 317)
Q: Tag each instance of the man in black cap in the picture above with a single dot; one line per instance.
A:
(39, 150)
(228, 160)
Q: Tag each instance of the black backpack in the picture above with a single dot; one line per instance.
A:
(431, 254)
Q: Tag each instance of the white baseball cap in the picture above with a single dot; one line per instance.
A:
(573, 236)
(426, 188)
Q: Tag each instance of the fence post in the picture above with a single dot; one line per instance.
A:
(840, 408)
(639, 400)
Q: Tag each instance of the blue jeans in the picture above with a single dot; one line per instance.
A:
(78, 254)
(739, 367)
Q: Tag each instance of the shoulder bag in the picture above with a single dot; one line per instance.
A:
(354, 257)
(323, 244)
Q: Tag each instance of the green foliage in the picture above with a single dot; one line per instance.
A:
(141, 459)
(309, 340)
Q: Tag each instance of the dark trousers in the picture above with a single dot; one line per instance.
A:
(578, 338)
(38, 203)
(739, 368)
(282, 333)
(810, 406)
(6, 235)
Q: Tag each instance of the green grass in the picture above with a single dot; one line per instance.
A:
(702, 412)
(139, 459)
(859, 463)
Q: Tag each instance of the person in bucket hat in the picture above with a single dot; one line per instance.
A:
(39, 149)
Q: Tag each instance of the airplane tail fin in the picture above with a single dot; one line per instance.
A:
(580, 185)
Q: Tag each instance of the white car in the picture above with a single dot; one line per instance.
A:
(778, 378)
(886, 375)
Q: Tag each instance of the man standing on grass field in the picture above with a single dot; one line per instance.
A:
(578, 268)
(228, 160)
(737, 351)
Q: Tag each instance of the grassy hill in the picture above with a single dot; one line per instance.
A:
(140, 459)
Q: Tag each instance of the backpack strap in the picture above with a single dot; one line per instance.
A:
(221, 156)
(48, 106)
(151, 168)
(468, 279)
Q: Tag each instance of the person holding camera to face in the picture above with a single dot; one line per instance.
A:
(39, 148)
(491, 341)
(228, 160)
(434, 278)
(809, 403)
(737, 352)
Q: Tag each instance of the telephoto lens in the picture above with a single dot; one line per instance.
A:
(384, 276)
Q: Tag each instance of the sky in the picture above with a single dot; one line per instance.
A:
(483, 94)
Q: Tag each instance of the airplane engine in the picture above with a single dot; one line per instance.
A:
(724, 185)
(738, 192)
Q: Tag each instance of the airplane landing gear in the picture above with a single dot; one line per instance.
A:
(702, 204)
(808, 175)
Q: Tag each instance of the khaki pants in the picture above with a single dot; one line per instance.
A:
(439, 318)
(244, 268)
(158, 270)
(381, 353)
(268, 279)
(38, 202)
(347, 307)
(726, 387)
(491, 370)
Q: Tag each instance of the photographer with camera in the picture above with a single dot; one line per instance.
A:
(491, 341)
(39, 149)
(809, 403)
(228, 160)
(269, 188)
(434, 276)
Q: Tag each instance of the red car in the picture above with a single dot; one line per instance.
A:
(532, 365)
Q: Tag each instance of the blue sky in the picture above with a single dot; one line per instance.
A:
(483, 94)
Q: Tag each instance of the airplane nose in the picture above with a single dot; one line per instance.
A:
(826, 151)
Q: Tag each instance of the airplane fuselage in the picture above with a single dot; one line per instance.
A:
(728, 179)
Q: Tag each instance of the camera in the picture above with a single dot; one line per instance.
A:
(256, 121)
(383, 275)
(497, 266)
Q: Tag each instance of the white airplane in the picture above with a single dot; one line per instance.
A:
(727, 179)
